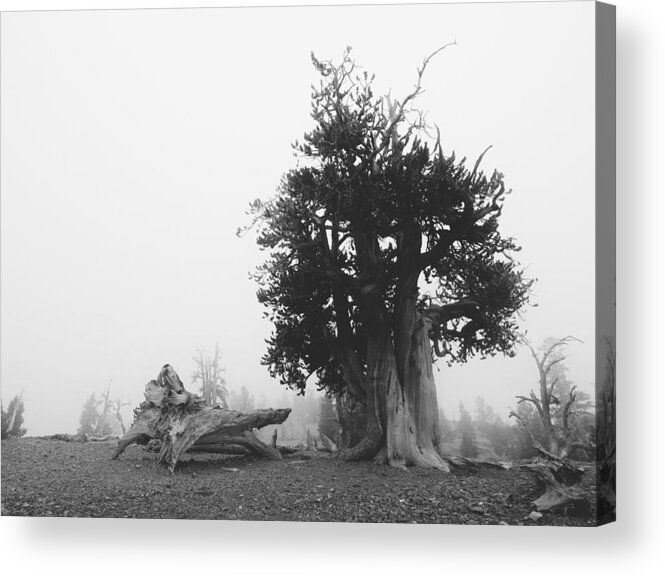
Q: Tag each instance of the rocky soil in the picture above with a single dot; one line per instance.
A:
(54, 478)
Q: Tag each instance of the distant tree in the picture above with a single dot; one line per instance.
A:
(242, 401)
(106, 423)
(262, 402)
(558, 414)
(501, 438)
(528, 428)
(100, 415)
(328, 423)
(468, 446)
(493, 428)
(208, 375)
(117, 406)
(12, 419)
(444, 424)
(304, 416)
(484, 412)
(89, 416)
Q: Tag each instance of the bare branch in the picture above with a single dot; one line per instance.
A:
(537, 445)
(553, 363)
(561, 342)
(477, 164)
(534, 400)
(567, 411)
(437, 348)
(396, 111)
(550, 389)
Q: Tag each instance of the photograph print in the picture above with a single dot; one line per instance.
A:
(326, 263)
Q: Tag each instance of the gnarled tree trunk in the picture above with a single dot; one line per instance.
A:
(413, 435)
(182, 421)
(401, 406)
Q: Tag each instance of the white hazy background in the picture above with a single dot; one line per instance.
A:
(133, 141)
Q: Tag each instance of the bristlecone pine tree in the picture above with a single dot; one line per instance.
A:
(382, 250)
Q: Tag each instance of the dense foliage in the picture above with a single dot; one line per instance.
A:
(374, 213)
(468, 446)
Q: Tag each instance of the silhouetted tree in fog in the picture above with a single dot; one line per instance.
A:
(208, 375)
(242, 401)
(468, 446)
(328, 423)
(12, 419)
(89, 416)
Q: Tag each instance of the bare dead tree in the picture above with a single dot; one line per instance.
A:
(102, 427)
(554, 471)
(561, 439)
(117, 405)
(208, 374)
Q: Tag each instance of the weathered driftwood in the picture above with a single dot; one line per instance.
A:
(474, 464)
(559, 480)
(182, 422)
(105, 438)
(561, 487)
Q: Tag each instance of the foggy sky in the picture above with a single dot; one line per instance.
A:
(133, 141)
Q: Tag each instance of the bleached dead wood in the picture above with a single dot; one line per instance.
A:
(182, 421)
(106, 438)
(561, 487)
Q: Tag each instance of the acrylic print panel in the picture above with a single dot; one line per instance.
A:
(326, 263)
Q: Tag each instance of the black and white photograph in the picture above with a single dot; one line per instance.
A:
(342, 264)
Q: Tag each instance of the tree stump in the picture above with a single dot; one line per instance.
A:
(183, 422)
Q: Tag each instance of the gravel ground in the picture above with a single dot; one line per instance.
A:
(51, 478)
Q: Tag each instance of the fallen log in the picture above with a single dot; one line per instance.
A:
(182, 422)
(474, 464)
(106, 438)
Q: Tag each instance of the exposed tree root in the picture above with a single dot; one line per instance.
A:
(366, 449)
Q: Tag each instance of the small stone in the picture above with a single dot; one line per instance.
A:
(535, 516)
